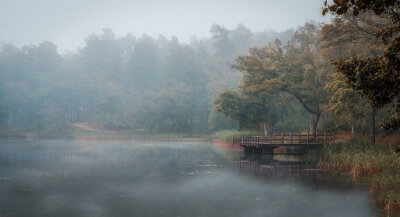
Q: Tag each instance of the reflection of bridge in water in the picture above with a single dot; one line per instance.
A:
(271, 165)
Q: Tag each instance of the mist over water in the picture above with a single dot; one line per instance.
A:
(92, 93)
(96, 178)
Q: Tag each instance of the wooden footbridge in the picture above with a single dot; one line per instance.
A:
(285, 139)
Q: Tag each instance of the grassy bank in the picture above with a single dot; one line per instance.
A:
(227, 135)
(127, 135)
(76, 133)
(374, 166)
(51, 133)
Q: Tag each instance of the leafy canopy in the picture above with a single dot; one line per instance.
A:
(378, 78)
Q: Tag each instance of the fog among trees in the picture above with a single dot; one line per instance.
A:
(125, 82)
(237, 79)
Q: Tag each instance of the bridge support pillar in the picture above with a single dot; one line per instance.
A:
(248, 150)
(268, 150)
(252, 150)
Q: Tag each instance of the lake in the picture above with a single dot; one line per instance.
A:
(124, 178)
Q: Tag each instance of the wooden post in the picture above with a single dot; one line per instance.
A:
(308, 137)
(334, 137)
(298, 138)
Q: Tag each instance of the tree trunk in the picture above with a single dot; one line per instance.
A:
(353, 136)
(265, 129)
(10, 117)
(271, 128)
(373, 114)
(314, 125)
(17, 118)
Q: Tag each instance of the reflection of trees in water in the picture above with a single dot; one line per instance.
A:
(147, 179)
(293, 167)
(277, 165)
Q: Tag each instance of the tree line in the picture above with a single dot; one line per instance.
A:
(146, 83)
(339, 76)
(344, 71)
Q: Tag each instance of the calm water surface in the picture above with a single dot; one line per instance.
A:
(91, 178)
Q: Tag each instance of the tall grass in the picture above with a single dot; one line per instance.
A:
(363, 156)
(376, 165)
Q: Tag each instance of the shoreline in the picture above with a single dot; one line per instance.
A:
(171, 139)
(226, 145)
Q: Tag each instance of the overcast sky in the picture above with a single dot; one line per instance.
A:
(67, 22)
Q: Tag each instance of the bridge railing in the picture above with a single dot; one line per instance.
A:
(286, 138)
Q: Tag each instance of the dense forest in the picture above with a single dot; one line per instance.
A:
(271, 81)
(124, 83)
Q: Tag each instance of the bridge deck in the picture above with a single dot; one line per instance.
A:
(285, 139)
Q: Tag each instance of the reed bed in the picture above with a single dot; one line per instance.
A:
(377, 166)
